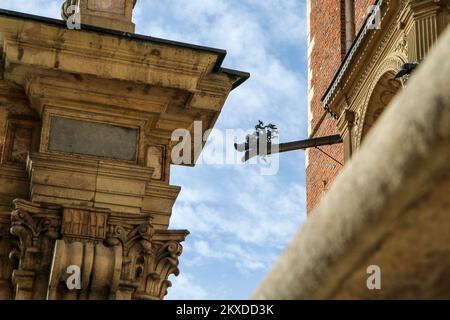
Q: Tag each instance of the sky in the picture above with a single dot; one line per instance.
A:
(240, 219)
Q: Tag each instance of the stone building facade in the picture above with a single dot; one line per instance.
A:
(86, 118)
(355, 49)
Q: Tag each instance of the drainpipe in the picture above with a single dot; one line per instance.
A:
(349, 23)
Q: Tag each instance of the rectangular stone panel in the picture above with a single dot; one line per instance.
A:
(93, 138)
(110, 6)
(21, 144)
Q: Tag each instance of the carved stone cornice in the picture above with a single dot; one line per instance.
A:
(425, 7)
(105, 184)
(84, 224)
(409, 30)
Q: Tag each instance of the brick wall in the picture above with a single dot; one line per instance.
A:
(327, 47)
(326, 30)
(361, 7)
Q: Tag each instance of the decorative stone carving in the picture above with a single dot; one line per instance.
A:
(163, 262)
(382, 88)
(37, 228)
(84, 224)
(149, 256)
(134, 238)
(7, 244)
(121, 256)
(402, 45)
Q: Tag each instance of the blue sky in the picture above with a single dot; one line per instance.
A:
(240, 220)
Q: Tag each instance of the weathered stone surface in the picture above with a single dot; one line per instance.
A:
(110, 14)
(95, 139)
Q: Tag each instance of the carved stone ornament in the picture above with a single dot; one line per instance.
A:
(120, 256)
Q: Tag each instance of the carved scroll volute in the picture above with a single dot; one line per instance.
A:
(136, 243)
(37, 229)
(158, 267)
(7, 244)
(149, 256)
(36, 235)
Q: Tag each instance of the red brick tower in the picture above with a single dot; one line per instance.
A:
(332, 26)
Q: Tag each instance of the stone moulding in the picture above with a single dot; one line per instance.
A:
(121, 256)
(85, 182)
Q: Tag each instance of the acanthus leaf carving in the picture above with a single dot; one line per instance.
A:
(134, 234)
(37, 228)
(163, 263)
(149, 256)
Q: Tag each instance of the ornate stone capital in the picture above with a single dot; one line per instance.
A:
(121, 256)
(37, 227)
(149, 256)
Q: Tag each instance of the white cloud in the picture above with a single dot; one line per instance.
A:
(254, 34)
(244, 260)
(184, 287)
(248, 207)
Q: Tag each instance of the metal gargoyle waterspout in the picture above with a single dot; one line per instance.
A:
(260, 142)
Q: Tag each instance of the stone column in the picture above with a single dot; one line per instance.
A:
(345, 125)
(7, 244)
(428, 19)
(37, 228)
